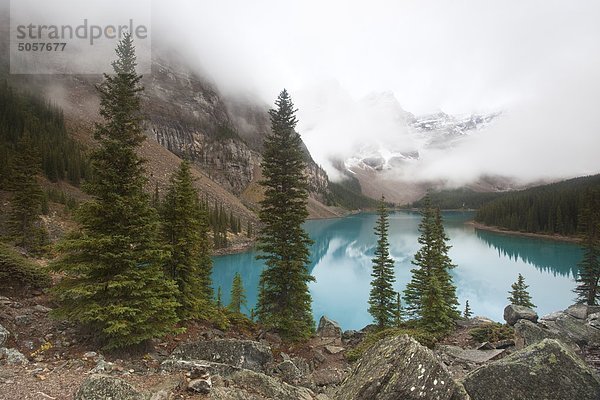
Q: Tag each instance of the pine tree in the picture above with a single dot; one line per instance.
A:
(431, 295)
(284, 300)
(467, 313)
(444, 265)
(588, 277)
(399, 312)
(185, 230)
(423, 260)
(113, 277)
(238, 295)
(219, 298)
(25, 225)
(519, 296)
(382, 299)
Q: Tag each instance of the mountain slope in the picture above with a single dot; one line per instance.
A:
(187, 118)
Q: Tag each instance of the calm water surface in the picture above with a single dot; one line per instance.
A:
(487, 264)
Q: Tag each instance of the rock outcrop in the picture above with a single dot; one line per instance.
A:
(329, 328)
(513, 313)
(98, 387)
(528, 333)
(399, 368)
(250, 385)
(244, 354)
(546, 370)
(578, 326)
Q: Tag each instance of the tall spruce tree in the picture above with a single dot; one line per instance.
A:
(467, 313)
(113, 268)
(444, 265)
(284, 300)
(399, 311)
(588, 277)
(25, 225)
(423, 260)
(519, 296)
(238, 295)
(185, 231)
(382, 299)
(431, 295)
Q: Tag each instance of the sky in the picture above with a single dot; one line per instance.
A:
(536, 61)
(353, 68)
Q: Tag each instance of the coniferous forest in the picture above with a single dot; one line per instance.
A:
(61, 158)
(551, 209)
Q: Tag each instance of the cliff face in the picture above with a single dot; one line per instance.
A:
(224, 137)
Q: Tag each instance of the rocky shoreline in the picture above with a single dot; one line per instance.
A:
(555, 356)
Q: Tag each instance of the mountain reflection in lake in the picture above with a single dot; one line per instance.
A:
(487, 264)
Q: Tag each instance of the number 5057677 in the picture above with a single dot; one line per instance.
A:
(41, 46)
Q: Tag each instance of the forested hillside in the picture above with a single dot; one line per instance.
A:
(552, 209)
(454, 199)
(27, 115)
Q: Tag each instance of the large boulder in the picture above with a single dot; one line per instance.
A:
(4, 335)
(398, 368)
(329, 328)
(581, 311)
(528, 333)
(546, 370)
(250, 385)
(514, 313)
(578, 330)
(245, 354)
(102, 387)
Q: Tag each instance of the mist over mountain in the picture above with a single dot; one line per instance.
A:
(404, 96)
(537, 64)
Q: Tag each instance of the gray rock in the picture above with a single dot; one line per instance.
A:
(245, 354)
(471, 355)
(528, 333)
(398, 368)
(333, 349)
(4, 335)
(102, 387)
(578, 311)
(250, 385)
(223, 370)
(41, 309)
(474, 322)
(329, 328)
(12, 357)
(593, 320)
(552, 316)
(581, 311)
(200, 380)
(24, 319)
(327, 377)
(546, 370)
(302, 365)
(514, 313)
(200, 385)
(578, 330)
(103, 367)
(289, 372)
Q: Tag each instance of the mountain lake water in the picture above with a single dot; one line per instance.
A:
(487, 263)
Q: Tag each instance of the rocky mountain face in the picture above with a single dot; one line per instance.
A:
(224, 137)
(186, 115)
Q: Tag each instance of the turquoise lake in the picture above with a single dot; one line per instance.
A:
(487, 264)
